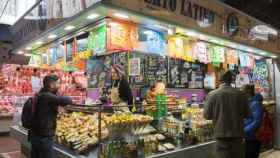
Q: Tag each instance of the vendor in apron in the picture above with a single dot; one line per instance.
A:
(121, 95)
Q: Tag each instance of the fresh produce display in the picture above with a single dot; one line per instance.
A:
(79, 131)
(127, 122)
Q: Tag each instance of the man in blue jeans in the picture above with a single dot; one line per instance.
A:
(44, 118)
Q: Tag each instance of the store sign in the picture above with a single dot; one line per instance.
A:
(187, 8)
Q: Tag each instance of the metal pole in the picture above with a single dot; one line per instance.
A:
(277, 112)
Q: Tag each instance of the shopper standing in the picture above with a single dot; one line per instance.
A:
(253, 122)
(121, 94)
(44, 117)
(227, 107)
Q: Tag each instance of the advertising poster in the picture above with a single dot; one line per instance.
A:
(97, 40)
(150, 41)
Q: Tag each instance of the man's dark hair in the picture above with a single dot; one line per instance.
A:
(49, 79)
(227, 77)
(250, 89)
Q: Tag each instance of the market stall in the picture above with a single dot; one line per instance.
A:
(169, 67)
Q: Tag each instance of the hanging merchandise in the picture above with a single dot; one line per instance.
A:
(231, 57)
(200, 50)
(150, 41)
(216, 54)
(97, 40)
(121, 36)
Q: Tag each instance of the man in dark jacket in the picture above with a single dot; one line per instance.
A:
(44, 118)
(253, 122)
(227, 107)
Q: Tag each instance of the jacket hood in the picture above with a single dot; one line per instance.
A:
(258, 97)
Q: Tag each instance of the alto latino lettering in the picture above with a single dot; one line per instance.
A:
(186, 8)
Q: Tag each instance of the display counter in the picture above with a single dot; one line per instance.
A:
(5, 123)
(196, 151)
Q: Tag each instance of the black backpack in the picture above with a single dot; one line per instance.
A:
(27, 112)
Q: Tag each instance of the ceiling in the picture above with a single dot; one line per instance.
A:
(12, 10)
(265, 10)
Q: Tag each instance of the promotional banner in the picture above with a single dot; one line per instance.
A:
(150, 41)
(97, 40)
(121, 36)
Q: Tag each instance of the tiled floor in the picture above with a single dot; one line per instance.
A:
(9, 148)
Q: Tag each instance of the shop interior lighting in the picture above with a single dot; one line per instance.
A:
(170, 32)
(28, 48)
(262, 53)
(20, 52)
(148, 32)
(28, 55)
(121, 15)
(160, 27)
(52, 36)
(274, 56)
(114, 24)
(68, 28)
(92, 16)
(39, 42)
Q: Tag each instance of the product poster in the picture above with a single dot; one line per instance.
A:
(45, 60)
(81, 45)
(260, 72)
(53, 56)
(150, 41)
(121, 36)
(134, 67)
(216, 54)
(210, 81)
(97, 40)
(201, 51)
(60, 52)
(69, 51)
(232, 57)
(176, 47)
(244, 59)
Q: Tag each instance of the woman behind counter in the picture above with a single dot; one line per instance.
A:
(121, 94)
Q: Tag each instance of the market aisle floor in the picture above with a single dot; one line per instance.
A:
(9, 148)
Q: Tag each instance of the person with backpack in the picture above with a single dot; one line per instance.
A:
(44, 115)
(253, 122)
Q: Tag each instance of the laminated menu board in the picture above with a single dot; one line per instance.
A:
(97, 40)
(134, 67)
(150, 41)
(185, 74)
(232, 57)
(155, 69)
(201, 52)
(139, 66)
(246, 60)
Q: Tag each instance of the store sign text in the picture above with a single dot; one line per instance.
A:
(186, 8)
